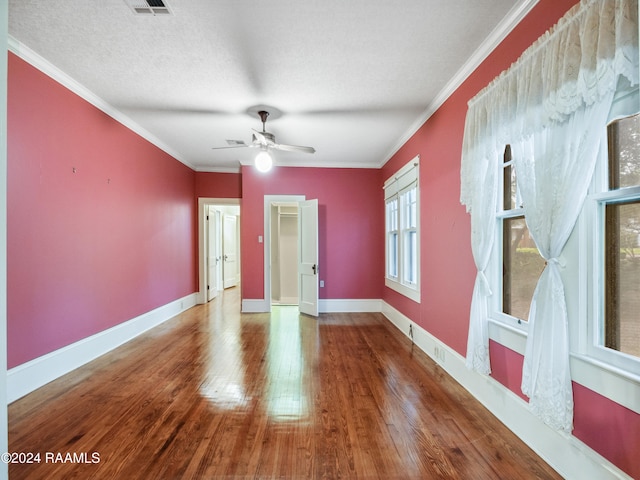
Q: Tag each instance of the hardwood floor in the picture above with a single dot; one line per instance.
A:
(215, 394)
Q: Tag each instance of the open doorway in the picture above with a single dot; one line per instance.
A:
(218, 246)
(284, 253)
(299, 218)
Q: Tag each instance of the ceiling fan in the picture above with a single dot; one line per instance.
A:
(266, 141)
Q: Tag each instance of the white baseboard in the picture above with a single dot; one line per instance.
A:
(565, 453)
(250, 305)
(329, 305)
(325, 305)
(29, 376)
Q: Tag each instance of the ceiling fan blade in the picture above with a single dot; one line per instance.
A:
(293, 148)
(230, 146)
(261, 138)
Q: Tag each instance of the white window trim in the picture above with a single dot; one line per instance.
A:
(388, 233)
(596, 280)
(394, 187)
(496, 315)
(612, 374)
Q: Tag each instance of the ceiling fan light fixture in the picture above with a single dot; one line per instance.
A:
(263, 161)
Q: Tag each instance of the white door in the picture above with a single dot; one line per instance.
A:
(230, 250)
(218, 273)
(214, 239)
(308, 257)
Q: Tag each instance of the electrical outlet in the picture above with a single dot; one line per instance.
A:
(321, 283)
(438, 354)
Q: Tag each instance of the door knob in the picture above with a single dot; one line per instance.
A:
(314, 268)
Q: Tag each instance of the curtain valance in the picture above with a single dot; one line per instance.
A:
(575, 63)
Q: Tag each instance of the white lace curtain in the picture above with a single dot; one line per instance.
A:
(551, 106)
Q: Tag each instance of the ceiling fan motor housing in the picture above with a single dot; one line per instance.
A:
(267, 135)
(263, 116)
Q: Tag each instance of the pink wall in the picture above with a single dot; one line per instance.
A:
(90, 249)
(447, 265)
(506, 367)
(350, 224)
(609, 428)
(218, 185)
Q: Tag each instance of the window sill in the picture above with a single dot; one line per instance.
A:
(413, 294)
(616, 384)
(611, 382)
(511, 337)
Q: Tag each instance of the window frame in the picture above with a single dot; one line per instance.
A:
(610, 373)
(592, 247)
(497, 316)
(389, 232)
(406, 229)
(395, 188)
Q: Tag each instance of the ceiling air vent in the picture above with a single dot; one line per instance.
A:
(149, 7)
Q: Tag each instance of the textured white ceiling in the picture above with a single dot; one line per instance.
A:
(351, 78)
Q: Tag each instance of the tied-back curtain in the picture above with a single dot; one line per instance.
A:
(482, 208)
(551, 106)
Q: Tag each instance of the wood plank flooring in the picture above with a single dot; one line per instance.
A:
(215, 394)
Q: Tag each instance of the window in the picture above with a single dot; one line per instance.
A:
(392, 238)
(557, 123)
(602, 272)
(409, 199)
(603, 297)
(520, 261)
(619, 221)
(402, 205)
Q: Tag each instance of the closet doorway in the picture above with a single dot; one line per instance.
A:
(284, 253)
(294, 250)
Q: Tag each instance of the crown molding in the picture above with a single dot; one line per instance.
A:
(35, 60)
(497, 35)
(305, 164)
(218, 169)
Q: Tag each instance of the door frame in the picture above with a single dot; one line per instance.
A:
(268, 200)
(4, 424)
(203, 203)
